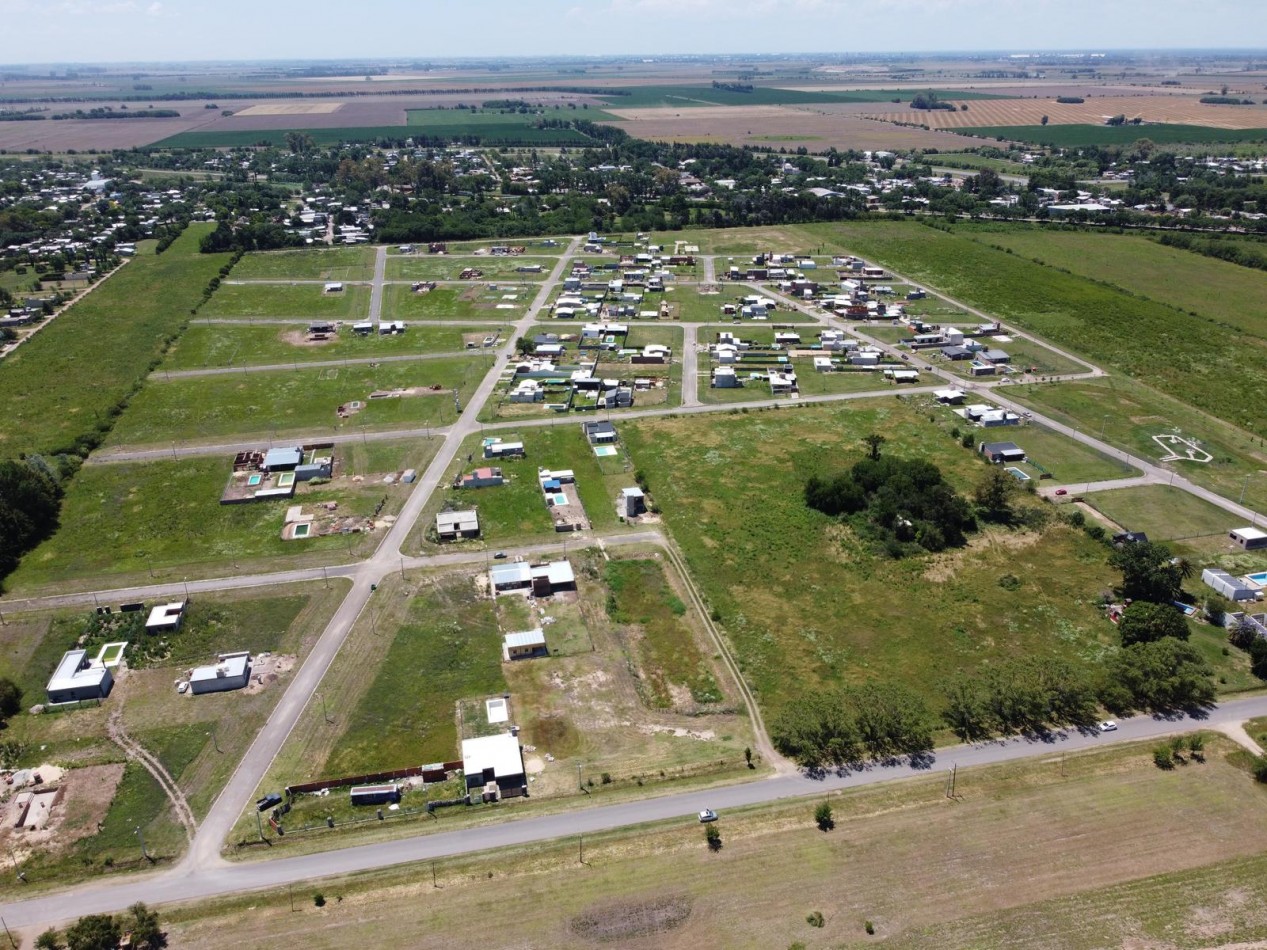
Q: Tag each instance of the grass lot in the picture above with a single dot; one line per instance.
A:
(1128, 415)
(302, 301)
(683, 96)
(99, 350)
(314, 263)
(462, 302)
(1197, 362)
(1130, 856)
(971, 160)
(295, 402)
(516, 511)
(448, 267)
(177, 729)
(165, 504)
(669, 658)
(805, 603)
(1225, 294)
(1162, 512)
(1026, 355)
(1066, 460)
(221, 344)
(1078, 136)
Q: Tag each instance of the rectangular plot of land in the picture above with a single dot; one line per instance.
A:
(291, 108)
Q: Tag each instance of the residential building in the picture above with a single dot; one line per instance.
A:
(231, 671)
(483, 478)
(1002, 452)
(1251, 539)
(165, 617)
(1233, 588)
(600, 433)
(454, 525)
(494, 764)
(77, 678)
(633, 502)
(524, 645)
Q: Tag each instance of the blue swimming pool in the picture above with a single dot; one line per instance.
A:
(1260, 578)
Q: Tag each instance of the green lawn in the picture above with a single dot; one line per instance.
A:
(164, 519)
(449, 267)
(215, 345)
(1065, 460)
(292, 402)
(448, 648)
(60, 388)
(316, 263)
(805, 603)
(457, 302)
(300, 301)
(1128, 415)
(1162, 512)
(1222, 293)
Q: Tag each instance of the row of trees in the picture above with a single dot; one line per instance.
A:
(105, 932)
(848, 725)
(30, 500)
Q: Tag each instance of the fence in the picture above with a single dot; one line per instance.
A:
(428, 773)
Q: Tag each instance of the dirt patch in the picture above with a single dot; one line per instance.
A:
(945, 566)
(267, 669)
(300, 338)
(291, 108)
(80, 808)
(627, 920)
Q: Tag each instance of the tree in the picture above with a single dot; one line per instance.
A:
(1242, 635)
(1147, 572)
(965, 711)
(823, 817)
(29, 502)
(48, 940)
(94, 932)
(713, 836)
(874, 441)
(1162, 675)
(10, 699)
(993, 494)
(1144, 622)
(1043, 120)
(146, 933)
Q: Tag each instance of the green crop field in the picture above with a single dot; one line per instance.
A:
(1163, 513)
(301, 301)
(219, 345)
(971, 160)
(1078, 136)
(643, 97)
(297, 401)
(1200, 363)
(164, 519)
(1222, 293)
(476, 301)
(313, 263)
(63, 385)
(450, 641)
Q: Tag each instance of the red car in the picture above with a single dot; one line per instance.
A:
(1061, 491)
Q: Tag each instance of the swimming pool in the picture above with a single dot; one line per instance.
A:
(302, 530)
(1260, 578)
(255, 480)
(1017, 474)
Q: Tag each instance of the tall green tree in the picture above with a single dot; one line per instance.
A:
(29, 503)
(94, 932)
(1147, 572)
(1144, 622)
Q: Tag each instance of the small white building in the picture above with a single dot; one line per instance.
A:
(78, 678)
(231, 671)
(1251, 539)
(496, 765)
(452, 525)
(724, 378)
(633, 502)
(524, 645)
(165, 617)
(334, 287)
(822, 364)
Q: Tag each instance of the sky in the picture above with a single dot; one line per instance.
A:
(85, 31)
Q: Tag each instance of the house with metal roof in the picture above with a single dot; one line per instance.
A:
(524, 645)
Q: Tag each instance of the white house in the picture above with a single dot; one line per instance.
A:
(1230, 587)
(165, 617)
(77, 678)
(452, 525)
(496, 765)
(231, 671)
(724, 378)
(523, 645)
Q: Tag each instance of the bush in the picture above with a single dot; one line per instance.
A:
(1162, 757)
(815, 919)
(823, 817)
(712, 835)
(1259, 769)
(869, 927)
(319, 899)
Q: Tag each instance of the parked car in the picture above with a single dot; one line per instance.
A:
(707, 815)
(1061, 491)
(500, 555)
(268, 801)
(182, 687)
(1108, 726)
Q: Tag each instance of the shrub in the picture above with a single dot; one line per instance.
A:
(713, 836)
(815, 919)
(823, 817)
(1162, 757)
(869, 927)
(607, 778)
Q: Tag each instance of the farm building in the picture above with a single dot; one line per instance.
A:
(232, 671)
(165, 617)
(77, 678)
(495, 764)
(524, 645)
(600, 433)
(388, 794)
(999, 452)
(632, 502)
(1251, 539)
(483, 478)
(1230, 587)
(452, 525)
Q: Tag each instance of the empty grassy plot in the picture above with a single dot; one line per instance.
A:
(660, 640)
(1184, 855)
(1162, 512)
(1063, 459)
(300, 301)
(476, 301)
(1132, 417)
(298, 401)
(1221, 292)
(690, 306)
(163, 519)
(547, 246)
(449, 641)
(449, 267)
(60, 388)
(218, 345)
(317, 263)
(807, 603)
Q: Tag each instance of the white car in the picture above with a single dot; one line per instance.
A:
(1108, 726)
(182, 687)
(707, 815)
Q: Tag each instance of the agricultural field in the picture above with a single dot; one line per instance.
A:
(208, 345)
(300, 301)
(1162, 512)
(185, 733)
(169, 502)
(1130, 854)
(100, 349)
(806, 603)
(313, 263)
(1130, 416)
(449, 267)
(1168, 275)
(474, 301)
(971, 160)
(1159, 112)
(1079, 136)
(695, 96)
(297, 402)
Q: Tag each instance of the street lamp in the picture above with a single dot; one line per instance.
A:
(215, 740)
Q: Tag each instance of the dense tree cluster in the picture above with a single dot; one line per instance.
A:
(30, 499)
(846, 726)
(1025, 695)
(903, 503)
(104, 932)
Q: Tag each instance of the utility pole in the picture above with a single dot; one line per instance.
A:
(259, 822)
(325, 577)
(324, 715)
(13, 943)
(433, 876)
(215, 740)
(581, 857)
(140, 837)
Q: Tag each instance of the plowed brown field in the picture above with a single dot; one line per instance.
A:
(1184, 110)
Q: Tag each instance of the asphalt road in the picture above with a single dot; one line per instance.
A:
(188, 883)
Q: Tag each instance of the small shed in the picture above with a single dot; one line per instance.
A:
(1251, 539)
(524, 645)
(388, 794)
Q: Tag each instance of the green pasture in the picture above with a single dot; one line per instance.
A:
(450, 267)
(473, 301)
(313, 263)
(301, 301)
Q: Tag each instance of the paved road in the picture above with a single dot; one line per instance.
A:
(187, 883)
